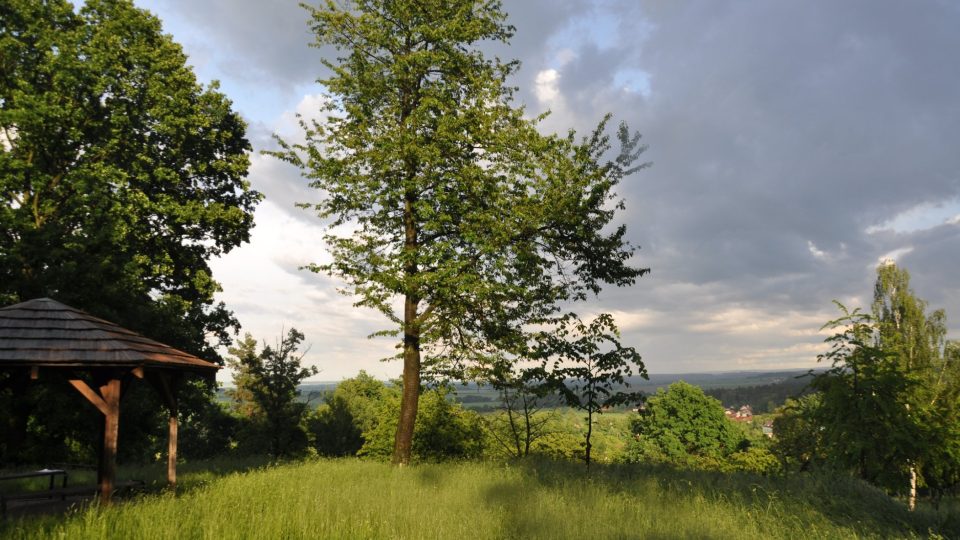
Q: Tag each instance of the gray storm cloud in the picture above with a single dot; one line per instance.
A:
(783, 136)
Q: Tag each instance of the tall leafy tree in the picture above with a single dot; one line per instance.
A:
(120, 175)
(448, 211)
(866, 426)
(270, 380)
(889, 404)
(916, 340)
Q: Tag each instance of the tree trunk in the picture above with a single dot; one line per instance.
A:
(589, 433)
(912, 499)
(409, 399)
(526, 421)
(514, 430)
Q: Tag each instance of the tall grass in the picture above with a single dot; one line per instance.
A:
(475, 501)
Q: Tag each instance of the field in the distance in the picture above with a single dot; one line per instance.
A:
(472, 393)
(364, 499)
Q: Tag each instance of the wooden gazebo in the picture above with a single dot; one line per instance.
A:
(43, 335)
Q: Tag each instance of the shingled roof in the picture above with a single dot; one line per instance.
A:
(44, 332)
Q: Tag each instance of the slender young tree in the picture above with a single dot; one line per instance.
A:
(521, 420)
(589, 366)
(457, 208)
(270, 381)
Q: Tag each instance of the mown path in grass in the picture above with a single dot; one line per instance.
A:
(474, 501)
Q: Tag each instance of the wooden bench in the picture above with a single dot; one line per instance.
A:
(61, 493)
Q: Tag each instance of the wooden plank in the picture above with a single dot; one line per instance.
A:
(91, 396)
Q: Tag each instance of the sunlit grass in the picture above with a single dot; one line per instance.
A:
(475, 501)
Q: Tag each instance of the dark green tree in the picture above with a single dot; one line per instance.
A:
(338, 426)
(889, 401)
(799, 440)
(916, 341)
(479, 225)
(865, 423)
(272, 378)
(120, 175)
(681, 422)
(588, 366)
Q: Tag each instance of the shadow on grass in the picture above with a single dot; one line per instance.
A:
(191, 477)
(781, 505)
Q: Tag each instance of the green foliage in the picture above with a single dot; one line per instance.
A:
(889, 409)
(207, 432)
(360, 418)
(756, 459)
(866, 426)
(334, 429)
(120, 176)
(521, 421)
(799, 441)
(338, 426)
(270, 379)
(589, 366)
(682, 421)
(444, 429)
(456, 204)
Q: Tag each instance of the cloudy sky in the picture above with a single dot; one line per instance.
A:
(795, 145)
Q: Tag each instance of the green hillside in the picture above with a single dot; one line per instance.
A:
(532, 499)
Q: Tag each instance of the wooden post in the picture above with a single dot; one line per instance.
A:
(166, 387)
(111, 395)
(108, 403)
(172, 451)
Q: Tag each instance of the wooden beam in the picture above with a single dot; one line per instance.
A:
(34, 373)
(91, 396)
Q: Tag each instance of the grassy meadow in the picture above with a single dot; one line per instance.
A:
(530, 499)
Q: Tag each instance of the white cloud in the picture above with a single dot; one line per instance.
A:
(546, 90)
(893, 256)
(814, 251)
(920, 217)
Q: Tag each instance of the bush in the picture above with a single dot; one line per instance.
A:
(444, 430)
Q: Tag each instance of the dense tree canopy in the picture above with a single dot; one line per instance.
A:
(889, 407)
(457, 206)
(267, 388)
(120, 176)
(681, 420)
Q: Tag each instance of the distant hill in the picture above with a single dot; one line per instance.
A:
(762, 390)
